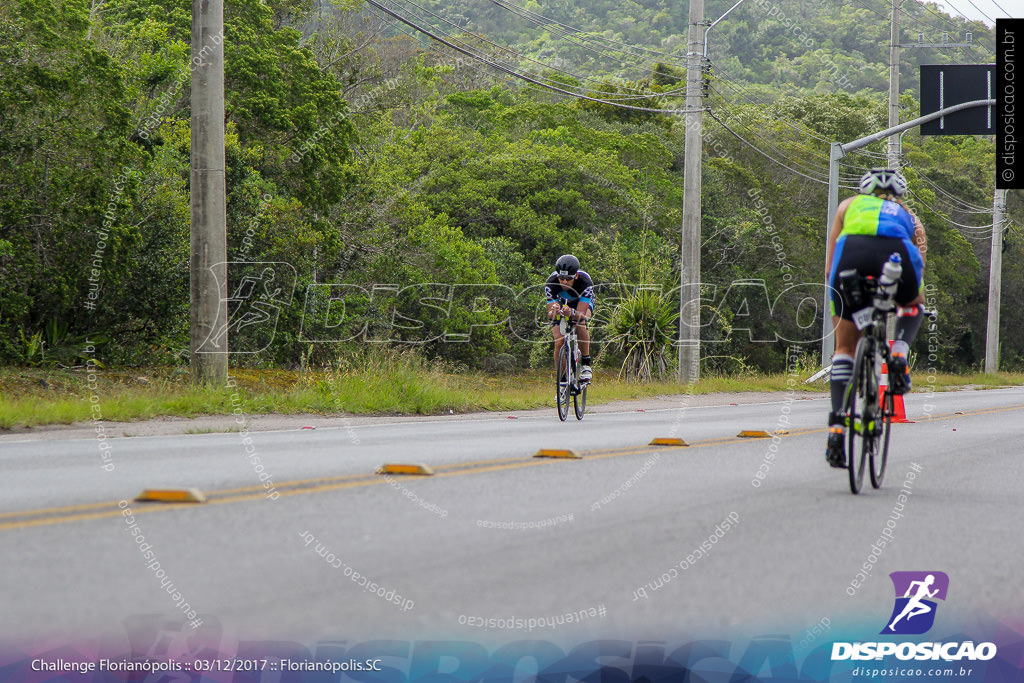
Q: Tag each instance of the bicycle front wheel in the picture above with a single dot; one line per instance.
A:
(563, 381)
(880, 455)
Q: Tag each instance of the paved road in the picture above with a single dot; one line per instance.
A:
(497, 534)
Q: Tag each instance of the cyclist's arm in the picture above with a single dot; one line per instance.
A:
(549, 294)
(585, 307)
(553, 309)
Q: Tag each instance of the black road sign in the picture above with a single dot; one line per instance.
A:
(943, 85)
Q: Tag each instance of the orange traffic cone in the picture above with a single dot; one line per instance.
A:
(899, 410)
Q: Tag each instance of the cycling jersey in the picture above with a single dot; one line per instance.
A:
(877, 217)
(873, 228)
(582, 289)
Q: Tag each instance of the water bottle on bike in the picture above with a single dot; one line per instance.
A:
(892, 271)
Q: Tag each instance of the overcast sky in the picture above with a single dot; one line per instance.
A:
(983, 10)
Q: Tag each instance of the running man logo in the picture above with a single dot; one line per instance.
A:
(258, 292)
(916, 592)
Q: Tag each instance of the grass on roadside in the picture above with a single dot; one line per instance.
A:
(367, 384)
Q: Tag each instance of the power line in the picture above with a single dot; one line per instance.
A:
(967, 17)
(500, 48)
(821, 171)
(919, 18)
(767, 156)
(943, 17)
(512, 72)
(977, 228)
(787, 154)
(642, 94)
(969, 208)
(541, 20)
(512, 82)
(501, 67)
(1001, 9)
(747, 95)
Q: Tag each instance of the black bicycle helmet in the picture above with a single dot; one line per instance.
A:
(567, 264)
(884, 179)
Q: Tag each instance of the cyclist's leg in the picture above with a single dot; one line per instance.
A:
(908, 322)
(846, 336)
(582, 331)
(583, 337)
(851, 255)
(909, 296)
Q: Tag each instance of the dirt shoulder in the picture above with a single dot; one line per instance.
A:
(167, 426)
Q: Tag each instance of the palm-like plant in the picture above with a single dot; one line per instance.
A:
(642, 332)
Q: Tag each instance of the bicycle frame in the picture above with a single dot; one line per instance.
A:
(568, 358)
(866, 420)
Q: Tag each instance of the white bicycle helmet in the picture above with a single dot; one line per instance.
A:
(884, 179)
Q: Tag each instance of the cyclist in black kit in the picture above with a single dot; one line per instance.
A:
(570, 291)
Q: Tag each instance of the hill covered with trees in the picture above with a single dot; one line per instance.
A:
(418, 196)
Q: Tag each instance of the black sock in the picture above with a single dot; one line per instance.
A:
(842, 370)
(585, 360)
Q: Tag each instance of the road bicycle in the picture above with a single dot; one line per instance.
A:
(567, 379)
(868, 422)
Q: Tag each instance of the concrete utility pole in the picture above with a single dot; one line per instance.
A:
(689, 275)
(893, 154)
(208, 267)
(995, 281)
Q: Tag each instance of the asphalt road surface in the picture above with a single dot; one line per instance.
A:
(301, 540)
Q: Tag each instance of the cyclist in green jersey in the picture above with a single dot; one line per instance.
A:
(868, 228)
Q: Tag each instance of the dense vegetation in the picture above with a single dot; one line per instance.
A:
(404, 195)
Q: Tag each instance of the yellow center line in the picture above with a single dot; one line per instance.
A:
(970, 413)
(45, 521)
(90, 511)
(57, 510)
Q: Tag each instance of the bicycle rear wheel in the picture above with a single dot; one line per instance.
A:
(858, 415)
(563, 381)
(880, 455)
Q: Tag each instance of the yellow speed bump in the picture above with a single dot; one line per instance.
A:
(421, 470)
(754, 434)
(666, 441)
(557, 453)
(171, 496)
